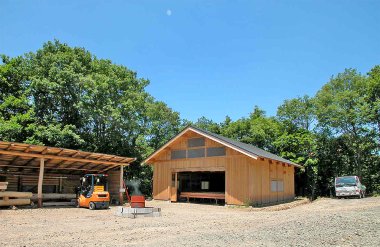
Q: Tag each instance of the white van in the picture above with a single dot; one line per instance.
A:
(349, 186)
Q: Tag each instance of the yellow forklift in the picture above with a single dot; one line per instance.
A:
(93, 192)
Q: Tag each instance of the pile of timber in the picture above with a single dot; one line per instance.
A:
(55, 199)
(54, 196)
(13, 198)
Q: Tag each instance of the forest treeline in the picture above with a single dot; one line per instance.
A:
(64, 96)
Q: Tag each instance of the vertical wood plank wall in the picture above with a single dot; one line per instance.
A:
(114, 184)
(67, 185)
(248, 181)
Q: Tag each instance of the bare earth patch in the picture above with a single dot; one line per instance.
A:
(325, 222)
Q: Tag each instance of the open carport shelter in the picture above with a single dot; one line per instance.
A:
(57, 170)
(203, 165)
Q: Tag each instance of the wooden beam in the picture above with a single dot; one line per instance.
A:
(199, 169)
(112, 167)
(48, 168)
(30, 161)
(76, 154)
(108, 168)
(54, 196)
(86, 163)
(15, 194)
(46, 175)
(126, 159)
(69, 165)
(40, 182)
(100, 157)
(58, 154)
(60, 163)
(10, 146)
(89, 163)
(14, 202)
(67, 158)
(88, 156)
(25, 151)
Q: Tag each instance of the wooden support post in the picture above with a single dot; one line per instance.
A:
(40, 182)
(60, 185)
(19, 184)
(121, 197)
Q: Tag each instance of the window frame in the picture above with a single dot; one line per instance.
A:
(214, 148)
(196, 146)
(178, 150)
(193, 150)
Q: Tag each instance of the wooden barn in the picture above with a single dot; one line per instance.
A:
(203, 165)
(52, 173)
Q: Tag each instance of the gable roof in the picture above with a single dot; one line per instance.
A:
(246, 149)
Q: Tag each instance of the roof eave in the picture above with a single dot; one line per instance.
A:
(249, 154)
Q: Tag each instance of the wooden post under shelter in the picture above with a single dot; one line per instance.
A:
(121, 197)
(40, 182)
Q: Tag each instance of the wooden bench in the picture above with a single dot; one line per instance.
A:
(203, 195)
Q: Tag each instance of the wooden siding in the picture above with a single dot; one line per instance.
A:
(114, 184)
(65, 185)
(247, 180)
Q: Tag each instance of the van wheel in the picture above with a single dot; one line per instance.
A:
(91, 206)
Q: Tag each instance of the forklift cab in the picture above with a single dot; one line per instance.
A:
(93, 183)
(93, 192)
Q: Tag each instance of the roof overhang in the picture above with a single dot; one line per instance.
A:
(187, 129)
(24, 158)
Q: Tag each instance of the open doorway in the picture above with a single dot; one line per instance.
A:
(205, 186)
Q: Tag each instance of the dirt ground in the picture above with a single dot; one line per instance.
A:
(325, 222)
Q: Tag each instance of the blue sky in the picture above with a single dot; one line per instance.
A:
(209, 58)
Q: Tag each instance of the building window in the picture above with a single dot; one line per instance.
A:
(273, 186)
(196, 153)
(216, 151)
(196, 142)
(205, 185)
(277, 186)
(178, 154)
(280, 185)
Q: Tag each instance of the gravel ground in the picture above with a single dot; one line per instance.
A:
(325, 222)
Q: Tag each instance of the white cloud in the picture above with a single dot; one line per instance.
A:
(168, 12)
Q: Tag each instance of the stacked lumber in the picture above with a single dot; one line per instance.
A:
(54, 196)
(3, 186)
(13, 198)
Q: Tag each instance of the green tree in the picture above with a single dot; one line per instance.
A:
(64, 96)
(340, 106)
(207, 124)
(299, 112)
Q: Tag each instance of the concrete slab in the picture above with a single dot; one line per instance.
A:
(137, 212)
